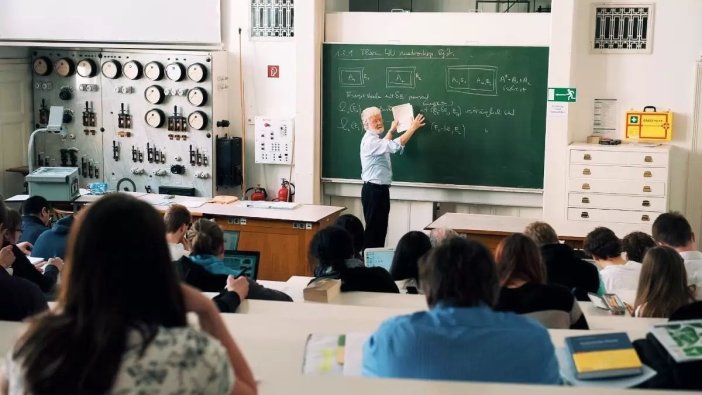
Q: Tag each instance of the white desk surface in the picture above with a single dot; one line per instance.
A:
(478, 222)
(602, 320)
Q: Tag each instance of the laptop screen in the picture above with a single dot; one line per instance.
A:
(243, 262)
(231, 240)
(381, 257)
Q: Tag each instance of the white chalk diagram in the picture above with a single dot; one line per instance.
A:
(351, 76)
(400, 77)
(472, 80)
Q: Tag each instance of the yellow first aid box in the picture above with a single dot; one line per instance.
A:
(649, 125)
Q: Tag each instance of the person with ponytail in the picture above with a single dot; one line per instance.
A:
(120, 324)
(205, 270)
(331, 253)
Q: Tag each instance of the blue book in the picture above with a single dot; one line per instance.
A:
(603, 356)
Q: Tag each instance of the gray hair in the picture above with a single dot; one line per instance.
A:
(367, 113)
(439, 236)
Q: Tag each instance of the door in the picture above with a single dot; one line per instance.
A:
(15, 122)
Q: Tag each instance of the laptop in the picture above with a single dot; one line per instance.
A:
(231, 240)
(243, 262)
(379, 257)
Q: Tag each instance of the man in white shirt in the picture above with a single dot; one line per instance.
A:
(618, 275)
(673, 230)
(376, 171)
(177, 219)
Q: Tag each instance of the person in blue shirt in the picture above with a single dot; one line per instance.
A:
(460, 337)
(376, 171)
(52, 243)
(36, 214)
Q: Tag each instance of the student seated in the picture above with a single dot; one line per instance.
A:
(563, 266)
(36, 214)
(354, 226)
(460, 337)
(524, 290)
(120, 323)
(405, 262)
(673, 230)
(19, 298)
(618, 275)
(45, 277)
(204, 268)
(52, 243)
(663, 285)
(439, 235)
(178, 220)
(635, 245)
(331, 251)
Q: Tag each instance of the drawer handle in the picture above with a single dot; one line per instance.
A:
(586, 186)
(646, 203)
(586, 172)
(648, 174)
(587, 157)
(584, 214)
(646, 188)
(645, 218)
(648, 159)
(586, 200)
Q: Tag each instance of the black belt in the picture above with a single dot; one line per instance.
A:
(376, 185)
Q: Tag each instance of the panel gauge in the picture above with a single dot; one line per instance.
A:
(197, 72)
(65, 67)
(197, 120)
(111, 69)
(133, 70)
(154, 94)
(41, 66)
(86, 68)
(197, 97)
(155, 118)
(153, 71)
(175, 71)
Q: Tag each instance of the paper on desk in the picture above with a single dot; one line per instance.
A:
(567, 372)
(353, 353)
(404, 114)
(34, 259)
(321, 354)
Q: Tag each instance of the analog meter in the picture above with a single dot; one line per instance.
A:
(155, 118)
(197, 120)
(41, 66)
(197, 72)
(154, 71)
(154, 94)
(65, 67)
(175, 71)
(132, 70)
(197, 97)
(111, 69)
(87, 68)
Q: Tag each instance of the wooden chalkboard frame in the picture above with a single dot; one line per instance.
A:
(534, 187)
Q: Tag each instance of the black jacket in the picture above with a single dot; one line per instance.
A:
(364, 279)
(23, 268)
(564, 268)
(197, 276)
(20, 298)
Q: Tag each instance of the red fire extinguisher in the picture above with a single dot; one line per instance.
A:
(286, 191)
(258, 193)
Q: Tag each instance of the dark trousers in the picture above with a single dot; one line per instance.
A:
(376, 208)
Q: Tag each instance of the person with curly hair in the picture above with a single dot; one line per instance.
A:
(618, 275)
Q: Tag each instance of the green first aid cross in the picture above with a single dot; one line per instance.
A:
(567, 95)
(634, 119)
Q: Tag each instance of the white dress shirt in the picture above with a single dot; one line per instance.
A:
(376, 166)
(693, 267)
(622, 280)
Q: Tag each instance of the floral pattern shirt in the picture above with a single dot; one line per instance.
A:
(179, 361)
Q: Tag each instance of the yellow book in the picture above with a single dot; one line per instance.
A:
(603, 356)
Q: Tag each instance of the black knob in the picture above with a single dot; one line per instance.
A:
(223, 123)
(178, 169)
(65, 94)
(67, 117)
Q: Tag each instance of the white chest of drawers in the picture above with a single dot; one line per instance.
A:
(626, 183)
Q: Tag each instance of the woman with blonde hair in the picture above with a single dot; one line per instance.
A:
(662, 285)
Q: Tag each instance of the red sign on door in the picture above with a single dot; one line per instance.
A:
(273, 71)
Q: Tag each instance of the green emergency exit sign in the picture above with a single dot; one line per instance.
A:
(562, 94)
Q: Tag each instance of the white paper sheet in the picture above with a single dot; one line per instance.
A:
(404, 114)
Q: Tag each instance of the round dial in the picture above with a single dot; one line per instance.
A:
(111, 69)
(154, 94)
(175, 71)
(197, 97)
(65, 67)
(197, 120)
(132, 70)
(197, 72)
(155, 118)
(86, 68)
(41, 66)
(153, 71)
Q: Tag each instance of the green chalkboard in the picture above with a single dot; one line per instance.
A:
(485, 110)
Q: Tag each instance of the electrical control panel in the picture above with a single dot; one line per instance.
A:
(148, 117)
(274, 140)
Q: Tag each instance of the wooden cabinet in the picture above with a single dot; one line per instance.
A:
(618, 184)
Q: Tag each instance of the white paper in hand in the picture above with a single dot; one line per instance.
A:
(404, 115)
